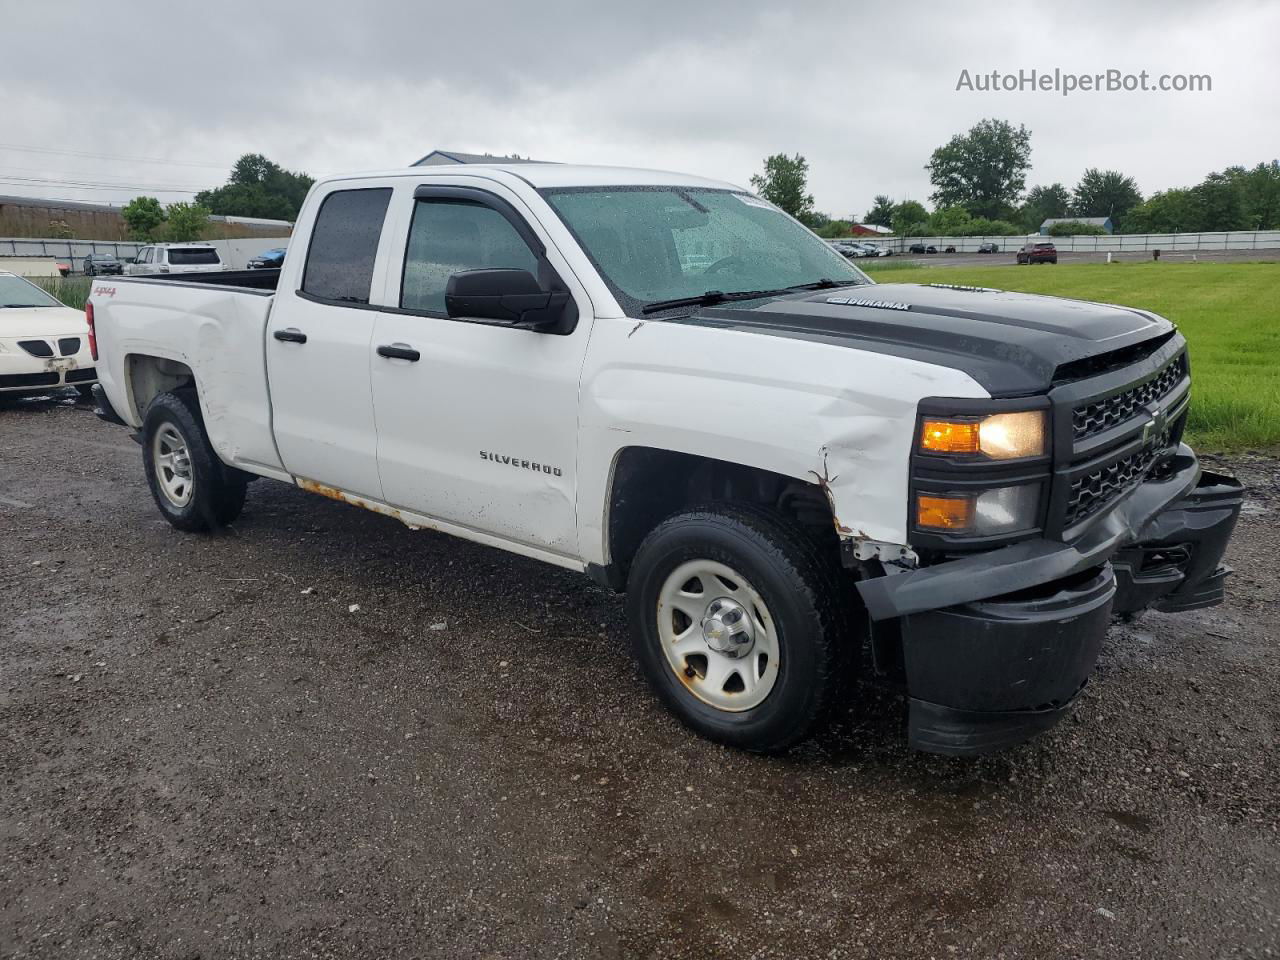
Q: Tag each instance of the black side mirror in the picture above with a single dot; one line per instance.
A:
(508, 296)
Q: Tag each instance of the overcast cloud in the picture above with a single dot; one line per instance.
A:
(864, 91)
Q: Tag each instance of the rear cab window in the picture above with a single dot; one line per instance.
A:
(192, 256)
(344, 246)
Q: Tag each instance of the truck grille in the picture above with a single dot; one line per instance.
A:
(1098, 488)
(1092, 418)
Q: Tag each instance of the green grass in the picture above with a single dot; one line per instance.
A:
(1229, 313)
(73, 291)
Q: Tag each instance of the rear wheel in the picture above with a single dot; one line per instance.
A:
(194, 490)
(739, 624)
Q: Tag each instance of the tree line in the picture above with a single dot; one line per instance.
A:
(979, 189)
(256, 187)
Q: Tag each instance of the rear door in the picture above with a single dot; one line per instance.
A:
(480, 430)
(319, 343)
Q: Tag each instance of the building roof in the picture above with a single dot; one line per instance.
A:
(1092, 221)
(445, 157)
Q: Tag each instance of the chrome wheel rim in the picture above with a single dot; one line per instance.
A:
(718, 636)
(172, 465)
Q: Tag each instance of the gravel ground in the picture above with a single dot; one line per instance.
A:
(321, 734)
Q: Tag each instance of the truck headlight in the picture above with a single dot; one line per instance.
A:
(981, 513)
(1000, 436)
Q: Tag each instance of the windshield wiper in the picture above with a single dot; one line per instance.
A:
(709, 298)
(826, 284)
(21, 306)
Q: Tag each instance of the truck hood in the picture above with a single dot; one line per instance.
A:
(18, 322)
(1010, 343)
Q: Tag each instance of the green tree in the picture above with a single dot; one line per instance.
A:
(909, 218)
(881, 212)
(257, 187)
(143, 216)
(1169, 211)
(1044, 203)
(185, 221)
(1259, 194)
(785, 184)
(833, 229)
(1105, 193)
(1219, 203)
(983, 170)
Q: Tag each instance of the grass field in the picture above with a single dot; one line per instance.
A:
(1229, 313)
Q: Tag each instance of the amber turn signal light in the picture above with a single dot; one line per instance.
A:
(944, 513)
(949, 436)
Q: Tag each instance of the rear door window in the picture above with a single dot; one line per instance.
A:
(344, 245)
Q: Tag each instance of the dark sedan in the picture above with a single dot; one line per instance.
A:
(102, 264)
(268, 259)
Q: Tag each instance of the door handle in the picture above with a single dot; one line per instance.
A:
(291, 335)
(399, 351)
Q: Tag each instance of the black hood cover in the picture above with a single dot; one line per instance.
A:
(1010, 343)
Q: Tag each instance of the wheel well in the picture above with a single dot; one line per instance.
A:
(151, 376)
(650, 485)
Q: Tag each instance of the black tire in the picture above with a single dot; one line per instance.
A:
(217, 492)
(807, 596)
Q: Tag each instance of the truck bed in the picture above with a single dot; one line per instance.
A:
(207, 327)
(243, 279)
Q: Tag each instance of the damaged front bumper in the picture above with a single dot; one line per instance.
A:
(997, 645)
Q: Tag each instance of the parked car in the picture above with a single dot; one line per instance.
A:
(1038, 253)
(850, 249)
(916, 248)
(268, 259)
(875, 250)
(44, 344)
(175, 258)
(498, 364)
(988, 248)
(950, 249)
(103, 264)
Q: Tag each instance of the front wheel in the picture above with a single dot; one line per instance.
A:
(194, 490)
(739, 624)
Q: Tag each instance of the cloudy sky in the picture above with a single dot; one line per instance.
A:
(93, 94)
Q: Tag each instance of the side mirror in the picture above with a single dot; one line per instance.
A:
(508, 296)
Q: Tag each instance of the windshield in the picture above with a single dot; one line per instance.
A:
(664, 243)
(16, 292)
(192, 256)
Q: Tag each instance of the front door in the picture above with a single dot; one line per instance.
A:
(477, 422)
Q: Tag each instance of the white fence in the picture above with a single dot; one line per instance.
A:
(1110, 243)
(235, 254)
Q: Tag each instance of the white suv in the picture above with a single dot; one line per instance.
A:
(175, 258)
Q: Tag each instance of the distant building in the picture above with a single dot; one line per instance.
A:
(442, 158)
(71, 219)
(869, 230)
(1103, 222)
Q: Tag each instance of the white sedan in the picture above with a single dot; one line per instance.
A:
(44, 345)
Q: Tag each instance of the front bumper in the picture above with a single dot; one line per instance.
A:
(996, 646)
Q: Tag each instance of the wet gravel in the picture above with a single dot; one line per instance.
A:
(321, 734)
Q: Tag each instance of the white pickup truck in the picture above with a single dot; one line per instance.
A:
(669, 384)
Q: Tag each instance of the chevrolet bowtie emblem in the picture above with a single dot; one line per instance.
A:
(1154, 428)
